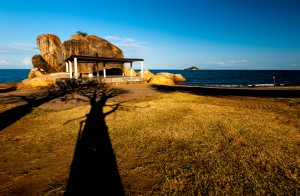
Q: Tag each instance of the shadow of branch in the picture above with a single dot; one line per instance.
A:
(10, 116)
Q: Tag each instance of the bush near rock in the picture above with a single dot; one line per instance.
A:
(147, 74)
(161, 80)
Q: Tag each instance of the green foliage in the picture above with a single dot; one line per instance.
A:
(81, 33)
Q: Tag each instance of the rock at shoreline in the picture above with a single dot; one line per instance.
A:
(127, 72)
(48, 80)
(161, 80)
(175, 77)
(146, 74)
(51, 50)
(39, 62)
(179, 78)
(36, 72)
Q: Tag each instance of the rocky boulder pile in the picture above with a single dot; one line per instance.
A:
(162, 78)
(38, 78)
(166, 78)
(53, 53)
(50, 63)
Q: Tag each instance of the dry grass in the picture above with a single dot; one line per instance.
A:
(188, 144)
(173, 144)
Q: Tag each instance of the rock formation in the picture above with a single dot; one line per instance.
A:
(146, 74)
(39, 62)
(127, 72)
(91, 45)
(161, 80)
(38, 78)
(51, 50)
(175, 77)
(50, 64)
(54, 53)
(36, 72)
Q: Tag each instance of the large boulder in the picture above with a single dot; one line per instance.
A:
(54, 53)
(146, 74)
(39, 62)
(36, 72)
(161, 80)
(127, 72)
(175, 77)
(179, 78)
(48, 80)
(79, 47)
(166, 74)
(103, 48)
(51, 50)
(91, 45)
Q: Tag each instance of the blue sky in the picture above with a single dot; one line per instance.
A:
(167, 34)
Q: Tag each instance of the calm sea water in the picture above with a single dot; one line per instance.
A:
(229, 78)
(238, 78)
(13, 75)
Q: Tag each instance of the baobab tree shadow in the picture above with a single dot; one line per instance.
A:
(94, 169)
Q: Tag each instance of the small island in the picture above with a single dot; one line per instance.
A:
(192, 68)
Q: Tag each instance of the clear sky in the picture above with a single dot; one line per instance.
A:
(167, 34)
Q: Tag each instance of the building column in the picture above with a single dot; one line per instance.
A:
(67, 67)
(130, 69)
(142, 69)
(123, 74)
(104, 70)
(70, 66)
(75, 68)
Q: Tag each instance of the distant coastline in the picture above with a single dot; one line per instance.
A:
(192, 68)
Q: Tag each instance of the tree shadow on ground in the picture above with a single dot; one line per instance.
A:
(254, 92)
(10, 116)
(94, 169)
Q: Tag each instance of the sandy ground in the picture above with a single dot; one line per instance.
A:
(9, 94)
(21, 96)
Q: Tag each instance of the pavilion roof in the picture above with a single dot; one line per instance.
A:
(94, 59)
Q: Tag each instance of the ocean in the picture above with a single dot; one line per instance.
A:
(219, 78)
(238, 78)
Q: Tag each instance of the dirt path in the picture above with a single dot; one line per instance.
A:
(21, 96)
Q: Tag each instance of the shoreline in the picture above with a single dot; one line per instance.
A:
(10, 84)
(295, 90)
